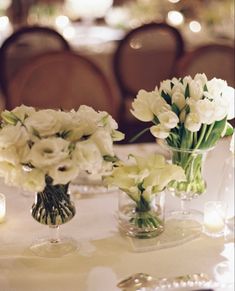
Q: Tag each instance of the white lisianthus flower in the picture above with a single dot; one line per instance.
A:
(33, 180)
(88, 157)
(63, 172)
(44, 122)
(87, 119)
(193, 122)
(23, 112)
(48, 151)
(8, 171)
(9, 155)
(13, 136)
(103, 141)
(179, 100)
(168, 119)
(160, 131)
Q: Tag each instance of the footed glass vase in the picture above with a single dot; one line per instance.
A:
(53, 207)
(142, 219)
(192, 161)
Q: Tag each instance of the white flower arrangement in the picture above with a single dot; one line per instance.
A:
(35, 144)
(189, 113)
(144, 177)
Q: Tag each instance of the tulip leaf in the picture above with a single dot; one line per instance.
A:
(166, 97)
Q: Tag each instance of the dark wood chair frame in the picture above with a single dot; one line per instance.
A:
(16, 35)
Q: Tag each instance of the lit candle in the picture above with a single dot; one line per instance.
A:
(2, 207)
(214, 218)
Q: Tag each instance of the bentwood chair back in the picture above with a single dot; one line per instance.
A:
(215, 60)
(23, 45)
(62, 80)
(146, 56)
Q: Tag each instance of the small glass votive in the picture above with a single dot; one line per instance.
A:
(214, 223)
(2, 208)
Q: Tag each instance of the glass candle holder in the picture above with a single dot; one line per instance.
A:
(214, 218)
(2, 208)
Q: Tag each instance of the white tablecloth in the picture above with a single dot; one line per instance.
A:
(104, 256)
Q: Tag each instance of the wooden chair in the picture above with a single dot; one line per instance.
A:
(23, 45)
(144, 57)
(63, 80)
(215, 60)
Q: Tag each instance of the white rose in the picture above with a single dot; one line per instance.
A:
(192, 122)
(104, 142)
(13, 135)
(88, 157)
(49, 151)
(64, 172)
(45, 122)
(179, 100)
(168, 119)
(159, 131)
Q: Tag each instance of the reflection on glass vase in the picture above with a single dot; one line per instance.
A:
(53, 207)
(142, 219)
(192, 161)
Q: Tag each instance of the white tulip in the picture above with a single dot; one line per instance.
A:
(178, 99)
(159, 131)
(228, 96)
(49, 151)
(202, 78)
(142, 105)
(168, 119)
(192, 122)
(206, 111)
(195, 90)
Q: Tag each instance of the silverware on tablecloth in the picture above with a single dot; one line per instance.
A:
(141, 280)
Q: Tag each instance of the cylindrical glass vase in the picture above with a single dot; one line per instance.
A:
(141, 219)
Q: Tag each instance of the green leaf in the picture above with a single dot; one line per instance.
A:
(139, 135)
(112, 159)
(229, 129)
(166, 97)
(215, 134)
(186, 93)
(175, 109)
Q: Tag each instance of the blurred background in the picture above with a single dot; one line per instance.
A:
(129, 45)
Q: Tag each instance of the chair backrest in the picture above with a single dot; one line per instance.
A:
(63, 80)
(215, 60)
(146, 56)
(25, 43)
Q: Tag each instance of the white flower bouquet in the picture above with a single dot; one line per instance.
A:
(188, 114)
(40, 147)
(143, 178)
